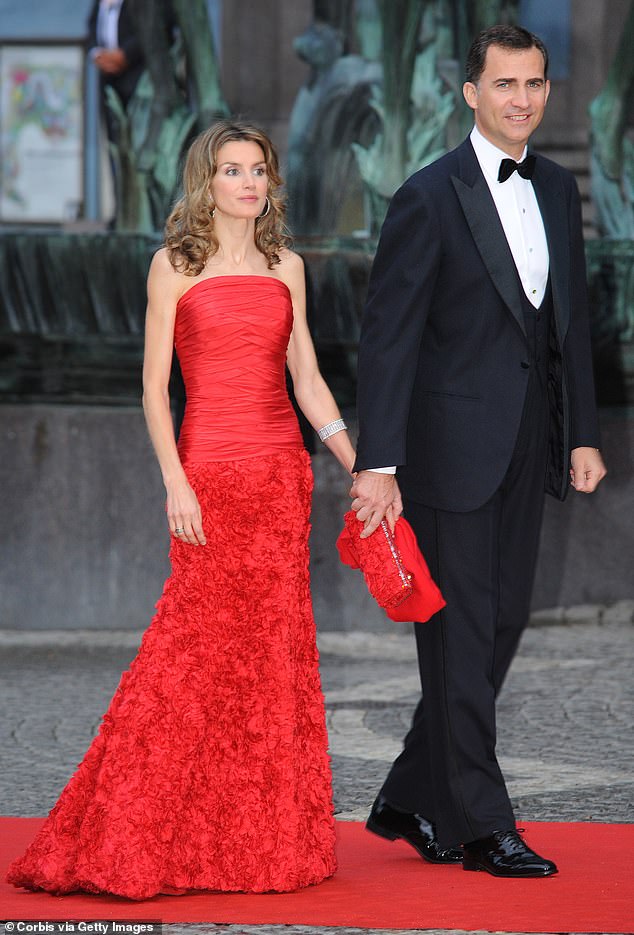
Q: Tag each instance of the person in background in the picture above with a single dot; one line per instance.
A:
(115, 49)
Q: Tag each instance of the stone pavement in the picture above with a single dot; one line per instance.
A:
(565, 718)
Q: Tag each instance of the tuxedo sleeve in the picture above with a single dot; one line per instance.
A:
(584, 427)
(133, 50)
(399, 294)
(129, 41)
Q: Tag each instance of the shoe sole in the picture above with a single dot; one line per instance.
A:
(468, 864)
(392, 836)
(382, 832)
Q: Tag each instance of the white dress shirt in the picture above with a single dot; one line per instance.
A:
(108, 24)
(521, 219)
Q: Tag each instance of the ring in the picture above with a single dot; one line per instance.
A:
(179, 529)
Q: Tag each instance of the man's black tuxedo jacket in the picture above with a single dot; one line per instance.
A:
(125, 83)
(443, 356)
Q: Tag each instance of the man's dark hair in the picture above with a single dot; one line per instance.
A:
(514, 38)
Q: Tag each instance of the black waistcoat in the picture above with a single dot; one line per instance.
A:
(537, 322)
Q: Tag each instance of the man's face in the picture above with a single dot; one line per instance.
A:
(509, 99)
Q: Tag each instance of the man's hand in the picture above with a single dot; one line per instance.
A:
(111, 61)
(587, 469)
(375, 496)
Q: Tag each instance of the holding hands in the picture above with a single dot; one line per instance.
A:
(376, 496)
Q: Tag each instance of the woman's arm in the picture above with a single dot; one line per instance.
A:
(163, 288)
(311, 392)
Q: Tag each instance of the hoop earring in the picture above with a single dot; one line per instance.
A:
(266, 210)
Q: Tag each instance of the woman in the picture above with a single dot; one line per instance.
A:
(210, 770)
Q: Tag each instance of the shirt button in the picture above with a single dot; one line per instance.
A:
(534, 291)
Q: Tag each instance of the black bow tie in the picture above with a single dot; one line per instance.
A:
(508, 167)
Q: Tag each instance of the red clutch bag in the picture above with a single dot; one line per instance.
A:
(394, 569)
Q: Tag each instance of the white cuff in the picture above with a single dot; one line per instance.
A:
(383, 470)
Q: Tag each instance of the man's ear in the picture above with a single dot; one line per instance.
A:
(470, 93)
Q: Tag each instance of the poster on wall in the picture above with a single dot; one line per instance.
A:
(41, 150)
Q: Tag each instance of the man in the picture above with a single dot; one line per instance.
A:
(115, 49)
(475, 381)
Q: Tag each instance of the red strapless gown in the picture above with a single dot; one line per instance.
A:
(210, 769)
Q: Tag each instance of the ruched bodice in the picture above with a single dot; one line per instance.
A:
(231, 336)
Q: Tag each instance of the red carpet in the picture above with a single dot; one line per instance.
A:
(383, 885)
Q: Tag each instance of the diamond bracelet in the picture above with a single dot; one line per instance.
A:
(331, 429)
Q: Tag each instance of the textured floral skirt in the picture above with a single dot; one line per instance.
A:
(210, 769)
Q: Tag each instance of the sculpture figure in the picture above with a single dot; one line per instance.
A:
(331, 111)
(611, 260)
(395, 104)
(612, 154)
(412, 102)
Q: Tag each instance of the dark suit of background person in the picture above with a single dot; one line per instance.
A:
(120, 65)
(478, 397)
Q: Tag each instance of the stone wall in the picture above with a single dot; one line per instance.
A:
(85, 539)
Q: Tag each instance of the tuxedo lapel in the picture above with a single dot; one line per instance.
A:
(552, 205)
(482, 217)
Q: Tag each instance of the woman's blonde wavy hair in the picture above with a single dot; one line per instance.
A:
(189, 230)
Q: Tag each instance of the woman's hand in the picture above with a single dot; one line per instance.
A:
(184, 514)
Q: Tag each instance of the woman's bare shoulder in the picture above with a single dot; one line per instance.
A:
(161, 262)
(290, 260)
(162, 276)
(291, 267)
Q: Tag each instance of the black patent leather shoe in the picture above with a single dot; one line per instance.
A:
(391, 824)
(504, 854)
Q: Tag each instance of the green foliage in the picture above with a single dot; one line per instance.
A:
(413, 104)
(612, 161)
(162, 115)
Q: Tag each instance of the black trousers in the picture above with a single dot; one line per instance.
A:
(484, 562)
